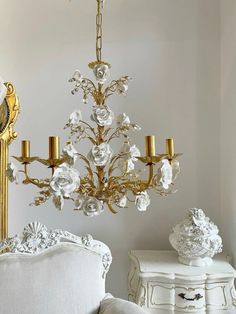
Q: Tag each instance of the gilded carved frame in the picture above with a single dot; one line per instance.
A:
(9, 110)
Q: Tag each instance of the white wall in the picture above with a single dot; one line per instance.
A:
(228, 125)
(172, 49)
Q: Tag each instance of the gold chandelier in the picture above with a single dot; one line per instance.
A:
(111, 179)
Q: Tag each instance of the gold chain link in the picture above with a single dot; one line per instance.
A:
(99, 31)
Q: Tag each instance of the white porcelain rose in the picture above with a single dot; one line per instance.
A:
(122, 85)
(70, 154)
(130, 156)
(166, 174)
(77, 77)
(65, 180)
(122, 201)
(92, 206)
(101, 72)
(75, 118)
(100, 155)
(175, 169)
(124, 124)
(102, 115)
(79, 202)
(12, 172)
(123, 120)
(142, 201)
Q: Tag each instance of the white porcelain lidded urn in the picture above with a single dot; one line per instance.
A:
(196, 239)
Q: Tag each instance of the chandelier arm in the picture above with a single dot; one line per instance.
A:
(150, 175)
(39, 183)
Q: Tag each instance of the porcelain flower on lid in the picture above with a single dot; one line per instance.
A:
(196, 239)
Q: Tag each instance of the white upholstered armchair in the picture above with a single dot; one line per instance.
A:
(56, 272)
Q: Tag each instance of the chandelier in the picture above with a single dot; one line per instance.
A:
(111, 179)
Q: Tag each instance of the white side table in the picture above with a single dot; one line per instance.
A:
(157, 281)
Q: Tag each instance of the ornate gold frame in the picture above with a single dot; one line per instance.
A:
(7, 135)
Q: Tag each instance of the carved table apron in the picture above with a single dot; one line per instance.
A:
(157, 281)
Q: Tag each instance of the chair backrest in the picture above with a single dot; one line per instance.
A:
(52, 272)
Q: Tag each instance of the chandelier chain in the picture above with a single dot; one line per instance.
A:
(99, 31)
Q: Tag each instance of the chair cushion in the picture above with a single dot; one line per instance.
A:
(65, 279)
(118, 306)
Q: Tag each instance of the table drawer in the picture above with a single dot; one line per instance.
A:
(187, 298)
(191, 298)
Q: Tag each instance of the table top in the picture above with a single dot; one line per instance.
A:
(167, 262)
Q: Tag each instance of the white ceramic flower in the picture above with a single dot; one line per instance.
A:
(58, 201)
(130, 153)
(122, 202)
(70, 153)
(79, 202)
(123, 120)
(175, 169)
(65, 180)
(166, 174)
(75, 118)
(102, 115)
(100, 154)
(77, 77)
(12, 173)
(101, 72)
(122, 87)
(3, 90)
(92, 206)
(142, 201)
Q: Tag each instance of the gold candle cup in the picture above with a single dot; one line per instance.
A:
(170, 147)
(54, 147)
(150, 146)
(25, 149)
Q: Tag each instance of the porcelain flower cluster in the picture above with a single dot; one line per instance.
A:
(111, 177)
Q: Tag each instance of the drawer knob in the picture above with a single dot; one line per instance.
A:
(197, 297)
